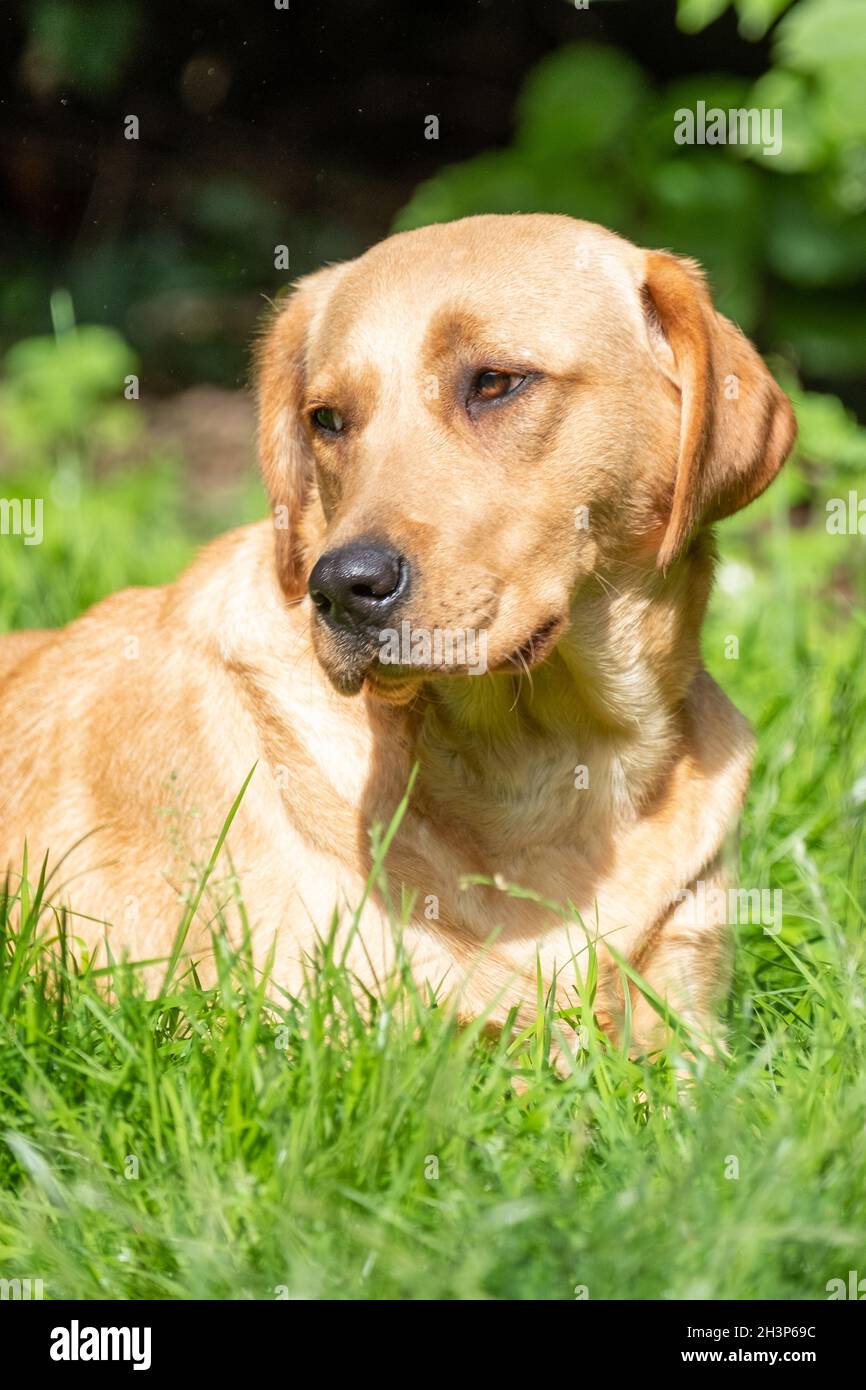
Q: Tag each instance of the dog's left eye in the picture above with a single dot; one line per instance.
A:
(492, 385)
(328, 420)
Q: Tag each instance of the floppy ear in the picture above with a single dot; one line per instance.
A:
(284, 449)
(737, 426)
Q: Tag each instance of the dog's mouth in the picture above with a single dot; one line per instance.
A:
(397, 681)
(397, 684)
(536, 648)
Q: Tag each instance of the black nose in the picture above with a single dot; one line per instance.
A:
(358, 584)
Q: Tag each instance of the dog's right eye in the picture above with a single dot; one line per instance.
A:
(491, 385)
(327, 419)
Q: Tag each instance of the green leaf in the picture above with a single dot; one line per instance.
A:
(817, 34)
(694, 15)
(580, 100)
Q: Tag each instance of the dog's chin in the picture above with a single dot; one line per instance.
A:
(344, 662)
(350, 672)
(345, 682)
(351, 679)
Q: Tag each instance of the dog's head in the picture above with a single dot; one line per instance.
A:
(461, 426)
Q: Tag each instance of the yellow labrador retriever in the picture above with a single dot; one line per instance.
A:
(494, 449)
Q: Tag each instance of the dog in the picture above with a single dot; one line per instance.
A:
(521, 428)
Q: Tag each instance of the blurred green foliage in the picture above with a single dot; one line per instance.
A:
(783, 237)
(59, 398)
(819, 49)
(127, 529)
(61, 406)
(86, 46)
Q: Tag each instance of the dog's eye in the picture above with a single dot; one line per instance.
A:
(492, 385)
(327, 419)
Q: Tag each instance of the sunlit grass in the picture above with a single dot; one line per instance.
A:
(232, 1143)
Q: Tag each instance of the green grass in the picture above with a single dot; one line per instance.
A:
(207, 1144)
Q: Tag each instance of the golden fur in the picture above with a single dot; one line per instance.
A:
(140, 721)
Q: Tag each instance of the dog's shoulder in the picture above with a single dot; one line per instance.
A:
(719, 736)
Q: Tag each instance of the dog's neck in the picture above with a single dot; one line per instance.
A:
(583, 739)
(567, 753)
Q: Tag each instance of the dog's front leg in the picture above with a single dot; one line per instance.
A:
(686, 962)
